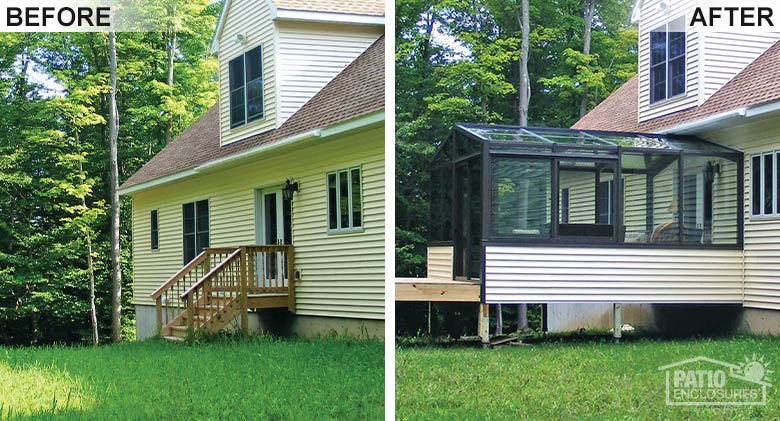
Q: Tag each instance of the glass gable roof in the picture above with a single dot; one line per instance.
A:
(585, 139)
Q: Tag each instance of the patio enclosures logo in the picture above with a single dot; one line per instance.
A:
(86, 15)
(704, 381)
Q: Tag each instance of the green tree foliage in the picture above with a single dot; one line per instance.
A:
(54, 163)
(458, 61)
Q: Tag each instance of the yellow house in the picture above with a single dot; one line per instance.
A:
(273, 201)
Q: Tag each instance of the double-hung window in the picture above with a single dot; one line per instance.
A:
(246, 87)
(667, 61)
(195, 217)
(345, 203)
(765, 184)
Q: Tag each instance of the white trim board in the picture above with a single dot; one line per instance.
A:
(327, 17)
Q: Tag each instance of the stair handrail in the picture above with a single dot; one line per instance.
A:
(211, 273)
(183, 271)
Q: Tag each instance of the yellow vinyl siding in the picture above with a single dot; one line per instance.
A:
(311, 54)
(724, 221)
(342, 275)
(252, 19)
(440, 262)
(568, 274)
(762, 236)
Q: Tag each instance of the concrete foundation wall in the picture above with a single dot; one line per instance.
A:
(567, 317)
(278, 322)
(756, 321)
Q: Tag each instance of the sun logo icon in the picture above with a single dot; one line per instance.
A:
(755, 369)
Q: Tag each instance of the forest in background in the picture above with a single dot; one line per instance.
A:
(54, 161)
(459, 61)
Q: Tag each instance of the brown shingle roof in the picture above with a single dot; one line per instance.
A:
(364, 7)
(757, 83)
(358, 90)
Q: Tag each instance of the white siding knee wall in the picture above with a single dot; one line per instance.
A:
(624, 275)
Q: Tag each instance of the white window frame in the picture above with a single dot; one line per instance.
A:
(762, 189)
(665, 28)
(339, 229)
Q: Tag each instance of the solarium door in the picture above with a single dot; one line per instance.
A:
(468, 220)
(274, 227)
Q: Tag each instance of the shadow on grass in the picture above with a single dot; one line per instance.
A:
(582, 336)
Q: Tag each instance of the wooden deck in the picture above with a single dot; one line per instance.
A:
(440, 290)
(267, 300)
(221, 284)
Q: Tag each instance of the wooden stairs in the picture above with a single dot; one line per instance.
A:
(221, 285)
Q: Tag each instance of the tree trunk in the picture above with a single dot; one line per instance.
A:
(586, 50)
(522, 317)
(525, 97)
(525, 86)
(90, 266)
(499, 320)
(92, 308)
(116, 297)
(172, 40)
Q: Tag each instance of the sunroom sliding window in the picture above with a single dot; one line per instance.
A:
(246, 87)
(667, 60)
(590, 198)
(521, 199)
(765, 185)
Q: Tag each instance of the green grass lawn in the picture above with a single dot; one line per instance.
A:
(259, 378)
(596, 379)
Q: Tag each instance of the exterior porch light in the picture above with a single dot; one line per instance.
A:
(289, 188)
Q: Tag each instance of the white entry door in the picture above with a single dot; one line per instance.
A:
(274, 227)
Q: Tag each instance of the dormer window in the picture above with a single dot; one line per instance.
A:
(246, 88)
(667, 61)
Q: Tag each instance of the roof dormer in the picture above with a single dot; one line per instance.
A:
(276, 55)
(680, 66)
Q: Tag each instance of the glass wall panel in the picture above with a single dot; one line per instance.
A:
(588, 188)
(635, 195)
(521, 196)
(650, 198)
(665, 204)
(709, 201)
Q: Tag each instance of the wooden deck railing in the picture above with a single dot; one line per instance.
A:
(216, 290)
(218, 277)
(167, 297)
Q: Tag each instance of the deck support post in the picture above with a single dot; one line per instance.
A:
(158, 310)
(290, 279)
(243, 291)
(484, 323)
(429, 318)
(190, 313)
(617, 321)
